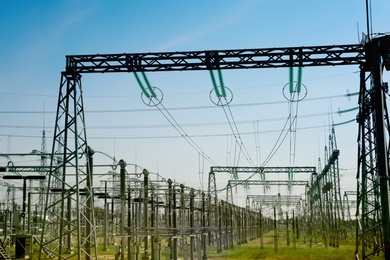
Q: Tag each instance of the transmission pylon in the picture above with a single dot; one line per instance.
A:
(42, 183)
(373, 209)
(69, 222)
(337, 214)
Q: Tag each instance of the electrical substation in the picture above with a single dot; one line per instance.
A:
(142, 215)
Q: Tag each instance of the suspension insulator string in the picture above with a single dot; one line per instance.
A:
(141, 85)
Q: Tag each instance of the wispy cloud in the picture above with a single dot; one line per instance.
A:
(223, 20)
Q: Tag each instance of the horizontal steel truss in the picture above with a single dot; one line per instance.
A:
(328, 55)
(230, 169)
(267, 182)
(275, 199)
(33, 168)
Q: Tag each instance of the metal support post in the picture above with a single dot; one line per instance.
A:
(219, 234)
(175, 233)
(287, 230)
(294, 231)
(275, 231)
(145, 204)
(192, 223)
(204, 229)
(89, 210)
(105, 235)
(122, 165)
(29, 213)
(378, 97)
(169, 219)
(153, 218)
(261, 230)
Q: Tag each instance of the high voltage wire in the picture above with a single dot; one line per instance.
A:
(177, 108)
(278, 143)
(238, 138)
(193, 136)
(183, 134)
(183, 125)
(151, 95)
(272, 152)
(230, 118)
(187, 124)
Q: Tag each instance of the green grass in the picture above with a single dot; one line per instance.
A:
(252, 250)
(302, 251)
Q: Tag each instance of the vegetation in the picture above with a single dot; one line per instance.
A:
(302, 251)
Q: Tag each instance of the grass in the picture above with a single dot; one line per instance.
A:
(303, 251)
(252, 251)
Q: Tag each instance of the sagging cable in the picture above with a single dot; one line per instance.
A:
(343, 123)
(347, 110)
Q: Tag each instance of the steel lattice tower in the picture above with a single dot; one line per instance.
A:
(69, 212)
(373, 224)
(42, 183)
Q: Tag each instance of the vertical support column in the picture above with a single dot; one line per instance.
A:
(226, 224)
(192, 223)
(145, 224)
(89, 211)
(174, 218)
(294, 231)
(105, 235)
(129, 225)
(153, 217)
(212, 207)
(29, 213)
(373, 214)
(287, 229)
(219, 242)
(378, 97)
(231, 224)
(204, 229)
(69, 247)
(122, 165)
(261, 229)
(182, 212)
(170, 225)
(275, 231)
(70, 138)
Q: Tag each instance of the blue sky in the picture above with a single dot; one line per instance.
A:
(36, 36)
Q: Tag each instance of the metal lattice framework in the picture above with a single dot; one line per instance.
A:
(373, 223)
(275, 200)
(70, 135)
(70, 138)
(325, 196)
(261, 171)
(266, 183)
(331, 55)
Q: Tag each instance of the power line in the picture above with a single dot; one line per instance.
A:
(180, 136)
(237, 137)
(176, 108)
(183, 134)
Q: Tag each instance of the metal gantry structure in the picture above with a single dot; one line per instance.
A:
(325, 196)
(373, 229)
(70, 136)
